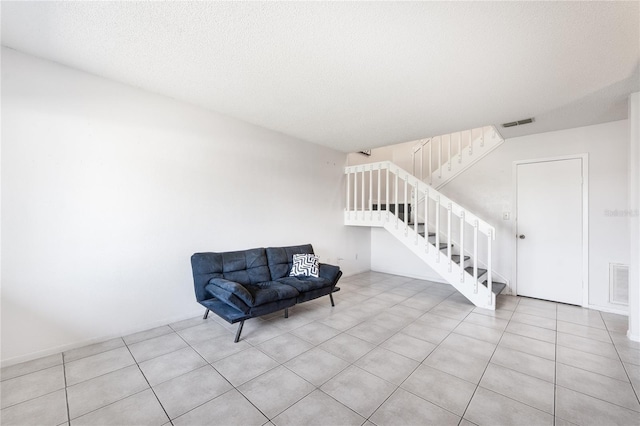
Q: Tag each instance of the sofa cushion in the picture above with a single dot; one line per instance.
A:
(270, 291)
(246, 266)
(216, 285)
(303, 284)
(330, 272)
(245, 297)
(305, 265)
(228, 296)
(280, 259)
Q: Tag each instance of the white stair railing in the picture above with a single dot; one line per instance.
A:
(439, 159)
(403, 204)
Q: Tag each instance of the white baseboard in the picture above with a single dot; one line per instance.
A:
(608, 309)
(62, 348)
(352, 273)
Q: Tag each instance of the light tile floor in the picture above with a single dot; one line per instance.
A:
(393, 351)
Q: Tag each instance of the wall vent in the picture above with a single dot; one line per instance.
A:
(518, 123)
(619, 284)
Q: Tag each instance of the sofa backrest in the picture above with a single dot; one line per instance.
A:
(280, 259)
(244, 267)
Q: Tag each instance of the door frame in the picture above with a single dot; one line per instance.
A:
(585, 218)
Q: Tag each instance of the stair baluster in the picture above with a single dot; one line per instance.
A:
(386, 206)
(378, 199)
(489, 279)
(466, 280)
(475, 256)
(437, 230)
(449, 235)
(462, 246)
(436, 173)
(405, 214)
(371, 192)
(415, 211)
(396, 208)
(426, 220)
(348, 197)
(363, 214)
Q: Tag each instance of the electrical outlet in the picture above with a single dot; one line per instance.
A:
(506, 215)
(356, 256)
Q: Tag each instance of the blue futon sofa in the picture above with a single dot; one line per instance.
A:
(245, 284)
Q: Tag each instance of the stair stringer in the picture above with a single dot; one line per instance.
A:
(438, 261)
(481, 264)
(460, 162)
(442, 167)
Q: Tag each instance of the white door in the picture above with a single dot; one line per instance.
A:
(549, 230)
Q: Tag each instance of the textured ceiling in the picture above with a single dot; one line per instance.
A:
(354, 75)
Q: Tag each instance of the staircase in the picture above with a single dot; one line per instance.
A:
(438, 160)
(450, 239)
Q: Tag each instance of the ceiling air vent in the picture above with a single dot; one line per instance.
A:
(518, 123)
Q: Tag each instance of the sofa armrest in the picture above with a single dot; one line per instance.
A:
(231, 292)
(330, 272)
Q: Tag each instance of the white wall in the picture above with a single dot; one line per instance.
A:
(634, 217)
(390, 256)
(487, 190)
(107, 190)
(399, 154)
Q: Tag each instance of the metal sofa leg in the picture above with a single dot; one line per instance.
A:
(239, 332)
(286, 312)
(331, 297)
(206, 314)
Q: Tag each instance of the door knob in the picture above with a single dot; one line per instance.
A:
(521, 236)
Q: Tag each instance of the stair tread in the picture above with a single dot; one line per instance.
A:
(481, 271)
(496, 287)
(456, 258)
(431, 234)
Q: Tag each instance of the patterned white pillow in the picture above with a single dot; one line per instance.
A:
(305, 265)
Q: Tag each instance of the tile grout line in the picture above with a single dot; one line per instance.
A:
(624, 368)
(593, 372)
(66, 394)
(362, 356)
(32, 371)
(450, 332)
(214, 369)
(233, 387)
(485, 369)
(412, 321)
(111, 403)
(149, 384)
(555, 372)
(413, 371)
(135, 362)
(39, 396)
